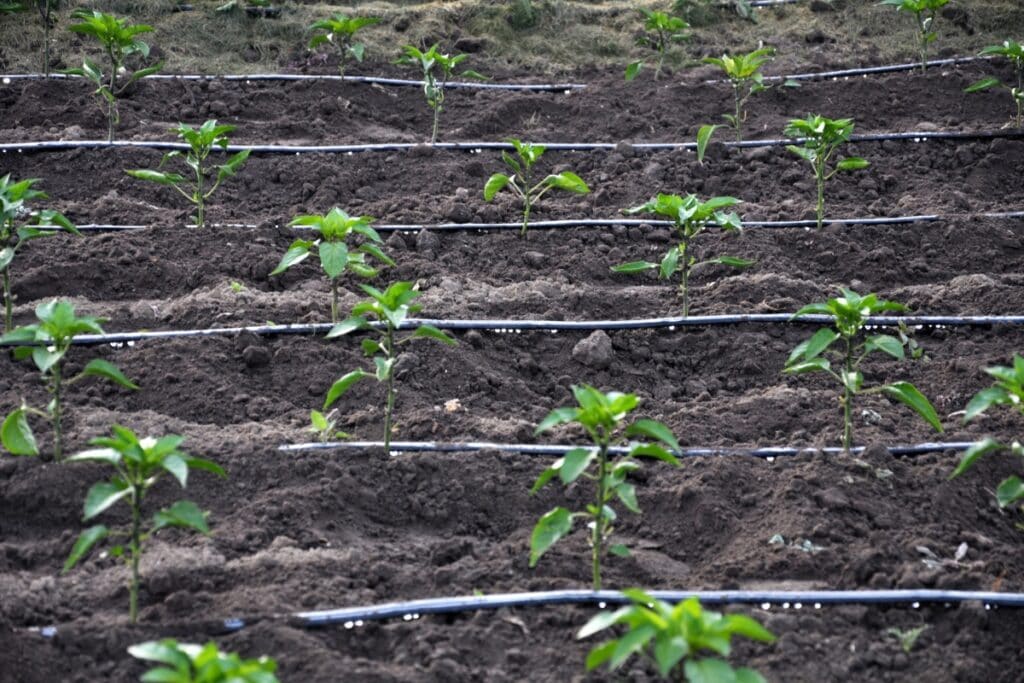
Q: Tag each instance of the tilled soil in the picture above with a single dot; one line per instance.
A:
(329, 529)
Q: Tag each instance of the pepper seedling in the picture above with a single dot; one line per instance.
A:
(16, 230)
(332, 247)
(388, 309)
(138, 465)
(339, 31)
(821, 138)
(188, 663)
(1013, 51)
(673, 637)
(924, 12)
(603, 417)
(521, 180)
(46, 343)
(1008, 390)
(690, 217)
(201, 142)
(119, 42)
(744, 74)
(662, 31)
(438, 68)
(850, 313)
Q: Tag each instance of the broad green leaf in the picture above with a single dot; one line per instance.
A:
(907, 393)
(633, 70)
(811, 365)
(669, 264)
(746, 675)
(885, 343)
(741, 625)
(975, 451)
(600, 654)
(603, 620)
(206, 466)
(550, 527)
(343, 385)
(556, 417)
(6, 257)
(632, 642)
(333, 258)
(154, 651)
(813, 347)
(627, 494)
(184, 514)
(101, 368)
(704, 134)
(45, 359)
(708, 671)
(732, 261)
(1010, 491)
(650, 450)
(852, 164)
(983, 84)
(575, 463)
(668, 652)
(495, 184)
(16, 434)
(157, 176)
(297, 253)
(384, 367)
(568, 181)
(103, 495)
(318, 421)
(347, 326)
(177, 467)
(107, 455)
(635, 267)
(619, 550)
(84, 544)
(546, 476)
(431, 332)
(655, 430)
(983, 400)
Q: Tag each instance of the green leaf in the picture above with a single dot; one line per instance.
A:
(983, 400)
(45, 359)
(431, 332)
(885, 343)
(704, 134)
(907, 393)
(101, 368)
(206, 466)
(556, 417)
(654, 430)
(347, 326)
(297, 252)
(162, 652)
(811, 365)
(383, 366)
(107, 455)
(635, 267)
(741, 625)
(575, 463)
(619, 550)
(568, 181)
(983, 84)
(550, 527)
(668, 652)
(16, 434)
(333, 258)
(157, 177)
(84, 544)
(650, 450)
(495, 184)
(852, 164)
(6, 257)
(103, 495)
(342, 385)
(183, 514)
(1010, 491)
(600, 654)
(627, 494)
(708, 671)
(975, 451)
(732, 261)
(633, 70)
(634, 641)
(669, 264)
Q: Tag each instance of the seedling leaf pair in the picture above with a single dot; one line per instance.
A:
(662, 31)
(437, 68)
(339, 31)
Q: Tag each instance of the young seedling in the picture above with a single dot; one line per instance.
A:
(188, 663)
(924, 12)
(1013, 51)
(326, 426)
(18, 225)
(821, 138)
(690, 217)
(673, 637)
(521, 180)
(603, 417)
(201, 142)
(1008, 390)
(119, 42)
(138, 465)
(744, 73)
(388, 309)
(663, 30)
(850, 313)
(332, 247)
(339, 31)
(46, 343)
(438, 68)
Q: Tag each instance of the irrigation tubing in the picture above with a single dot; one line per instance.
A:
(865, 70)
(479, 146)
(593, 223)
(560, 449)
(511, 326)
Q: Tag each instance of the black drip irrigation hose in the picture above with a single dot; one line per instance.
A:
(766, 453)
(516, 326)
(479, 146)
(595, 223)
(411, 610)
(864, 70)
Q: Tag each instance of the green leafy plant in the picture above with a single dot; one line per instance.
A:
(744, 73)
(18, 225)
(603, 417)
(674, 637)
(201, 142)
(46, 343)
(119, 41)
(438, 68)
(339, 31)
(1008, 390)
(850, 313)
(388, 309)
(924, 12)
(907, 638)
(325, 426)
(337, 256)
(521, 180)
(821, 138)
(663, 30)
(690, 217)
(1013, 51)
(138, 465)
(188, 663)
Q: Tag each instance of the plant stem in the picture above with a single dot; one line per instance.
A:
(389, 345)
(8, 304)
(200, 209)
(819, 172)
(334, 300)
(526, 214)
(739, 108)
(58, 432)
(684, 280)
(848, 398)
(437, 116)
(598, 535)
(135, 550)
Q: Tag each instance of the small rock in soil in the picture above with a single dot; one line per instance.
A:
(427, 242)
(534, 259)
(595, 351)
(256, 356)
(396, 242)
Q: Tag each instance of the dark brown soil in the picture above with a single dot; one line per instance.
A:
(295, 532)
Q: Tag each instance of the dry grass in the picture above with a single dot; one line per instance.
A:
(568, 34)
